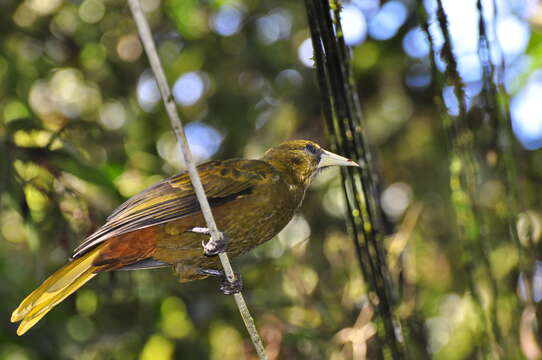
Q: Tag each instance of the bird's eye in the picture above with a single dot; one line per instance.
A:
(311, 149)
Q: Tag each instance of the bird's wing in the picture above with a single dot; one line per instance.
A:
(174, 198)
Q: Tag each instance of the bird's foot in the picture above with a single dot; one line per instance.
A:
(212, 248)
(227, 287)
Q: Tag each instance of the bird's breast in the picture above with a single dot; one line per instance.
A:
(258, 217)
(249, 220)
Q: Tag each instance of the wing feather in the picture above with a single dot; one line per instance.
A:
(174, 198)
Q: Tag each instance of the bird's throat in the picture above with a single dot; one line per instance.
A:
(297, 185)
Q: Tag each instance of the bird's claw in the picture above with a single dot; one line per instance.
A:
(212, 248)
(229, 288)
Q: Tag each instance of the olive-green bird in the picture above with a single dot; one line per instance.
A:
(251, 200)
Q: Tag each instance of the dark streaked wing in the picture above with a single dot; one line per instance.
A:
(174, 198)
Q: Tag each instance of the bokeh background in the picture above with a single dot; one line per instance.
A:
(82, 128)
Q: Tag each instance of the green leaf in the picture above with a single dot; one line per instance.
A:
(66, 162)
(23, 124)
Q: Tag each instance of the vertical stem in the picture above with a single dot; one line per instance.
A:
(186, 155)
(343, 118)
(466, 177)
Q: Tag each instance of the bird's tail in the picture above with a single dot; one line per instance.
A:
(55, 289)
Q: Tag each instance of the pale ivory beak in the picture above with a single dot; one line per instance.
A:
(330, 159)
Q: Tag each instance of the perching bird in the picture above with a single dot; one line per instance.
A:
(251, 200)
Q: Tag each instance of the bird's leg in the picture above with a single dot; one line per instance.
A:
(226, 286)
(212, 248)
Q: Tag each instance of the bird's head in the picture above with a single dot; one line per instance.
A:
(302, 159)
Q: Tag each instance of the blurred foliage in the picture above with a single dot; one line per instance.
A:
(81, 129)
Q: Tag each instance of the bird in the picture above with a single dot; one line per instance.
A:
(162, 226)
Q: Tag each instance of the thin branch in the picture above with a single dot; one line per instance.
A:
(186, 155)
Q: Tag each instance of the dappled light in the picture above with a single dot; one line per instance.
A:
(354, 25)
(456, 154)
(227, 21)
(305, 53)
(526, 115)
(385, 24)
(189, 88)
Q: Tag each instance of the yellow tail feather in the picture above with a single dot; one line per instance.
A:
(53, 290)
